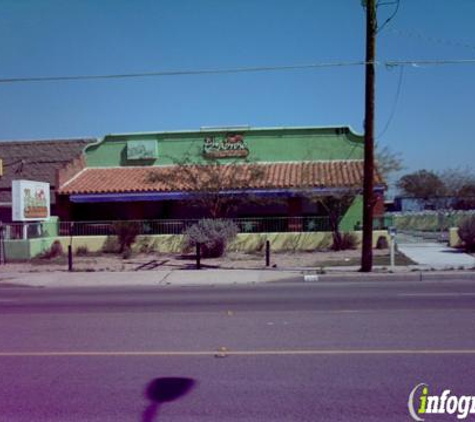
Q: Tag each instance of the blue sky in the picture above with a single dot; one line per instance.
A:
(431, 126)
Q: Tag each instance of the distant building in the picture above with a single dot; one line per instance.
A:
(408, 204)
(38, 161)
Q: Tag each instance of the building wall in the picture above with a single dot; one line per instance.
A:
(264, 145)
(353, 216)
(269, 145)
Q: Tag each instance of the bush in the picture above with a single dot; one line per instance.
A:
(146, 245)
(382, 243)
(342, 242)
(127, 252)
(126, 232)
(213, 235)
(82, 251)
(55, 250)
(467, 233)
(111, 245)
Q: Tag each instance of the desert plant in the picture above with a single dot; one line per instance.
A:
(111, 245)
(126, 232)
(146, 246)
(345, 241)
(213, 235)
(55, 250)
(82, 250)
(127, 252)
(382, 243)
(467, 233)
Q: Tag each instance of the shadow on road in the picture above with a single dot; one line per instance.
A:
(164, 390)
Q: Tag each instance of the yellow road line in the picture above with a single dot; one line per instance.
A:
(245, 353)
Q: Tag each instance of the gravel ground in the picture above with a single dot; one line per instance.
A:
(233, 260)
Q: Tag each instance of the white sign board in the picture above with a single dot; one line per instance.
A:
(30, 200)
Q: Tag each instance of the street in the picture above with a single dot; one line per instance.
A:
(284, 351)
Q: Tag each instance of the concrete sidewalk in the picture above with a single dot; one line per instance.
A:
(436, 255)
(219, 277)
(145, 278)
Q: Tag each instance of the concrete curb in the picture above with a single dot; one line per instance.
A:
(218, 277)
(388, 277)
(145, 278)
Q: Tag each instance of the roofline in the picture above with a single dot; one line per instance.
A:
(17, 141)
(251, 163)
(235, 128)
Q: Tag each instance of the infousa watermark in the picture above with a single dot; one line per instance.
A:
(421, 404)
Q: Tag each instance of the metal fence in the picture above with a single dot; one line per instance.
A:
(178, 226)
(13, 231)
(429, 221)
(171, 226)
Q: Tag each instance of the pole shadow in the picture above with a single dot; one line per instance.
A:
(164, 390)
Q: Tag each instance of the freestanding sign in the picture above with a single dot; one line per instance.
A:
(30, 200)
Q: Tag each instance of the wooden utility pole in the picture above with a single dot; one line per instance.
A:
(368, 181)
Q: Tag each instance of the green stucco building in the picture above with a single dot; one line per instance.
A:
(165, 175)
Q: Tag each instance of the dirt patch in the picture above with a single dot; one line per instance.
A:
(233, 260)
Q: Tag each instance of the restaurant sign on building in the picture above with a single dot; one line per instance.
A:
(231, 145)
(30, 200)
(142, 150)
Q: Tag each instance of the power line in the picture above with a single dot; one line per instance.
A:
(395, 103)
(181, 72)
(435, 40)
(417, 63)
(393, 15)
(387, 63)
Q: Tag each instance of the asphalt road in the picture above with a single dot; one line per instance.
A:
(274, 352)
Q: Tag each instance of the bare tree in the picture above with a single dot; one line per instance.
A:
(218, 188)
(460, 187)
(422, 184)
(335, 206)
(388, 161)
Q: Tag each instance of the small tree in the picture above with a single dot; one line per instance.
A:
(126, 232)
(335, 206)
(460, 187)
(466, 198)
(422, 184)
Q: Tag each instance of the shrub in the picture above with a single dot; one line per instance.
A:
(467, 233)
(111, 245)
(213, 235)
(382, 243)
(126, 232)
(342, 242)
(55, 250)
(82, 251)
(127, 252)
(146, 245)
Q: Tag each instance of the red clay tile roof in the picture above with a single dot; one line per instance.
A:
(320, 174)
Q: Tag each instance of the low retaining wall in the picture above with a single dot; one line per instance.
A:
(245, 242)
(454, 239)
(21, 250)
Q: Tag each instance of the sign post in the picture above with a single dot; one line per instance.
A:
(392, 235)
(30, 202)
